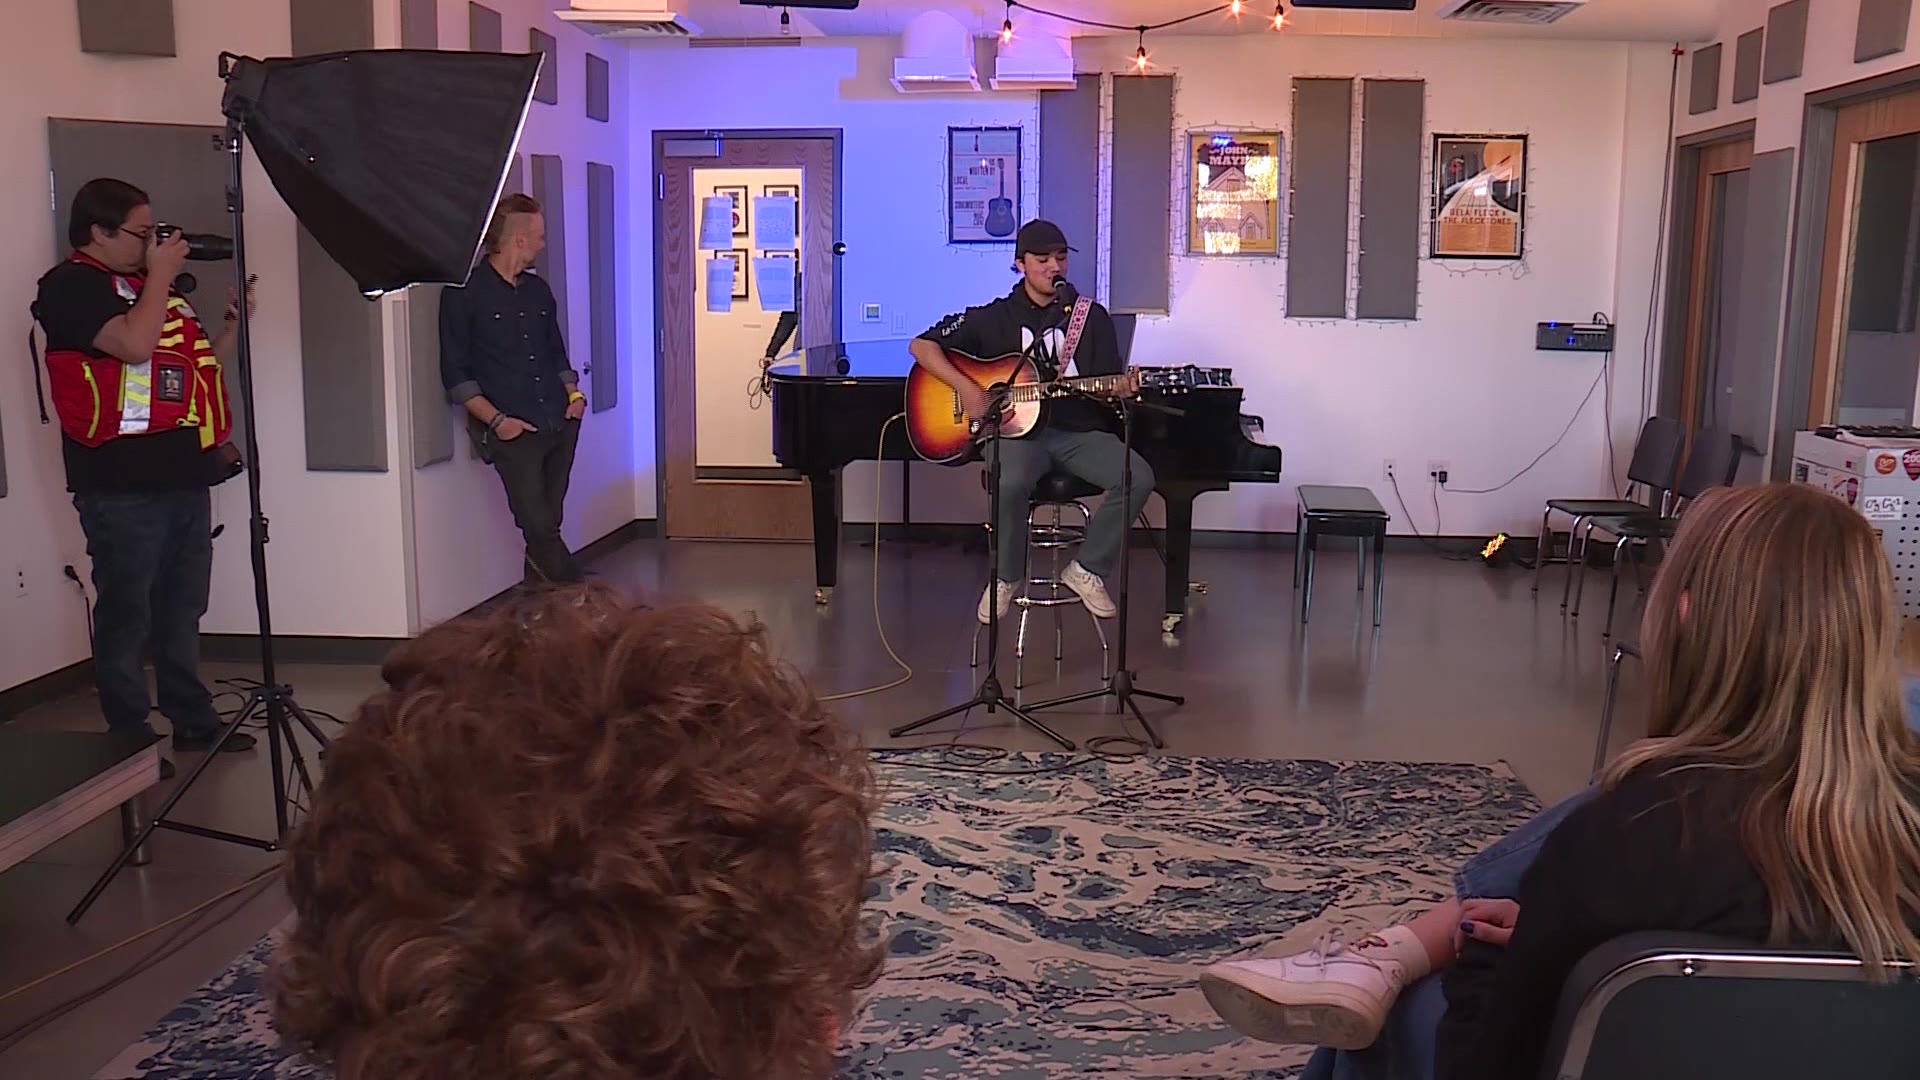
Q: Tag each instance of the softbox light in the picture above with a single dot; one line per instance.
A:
(392, 159)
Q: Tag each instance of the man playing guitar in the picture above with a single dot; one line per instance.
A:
(1075, 435)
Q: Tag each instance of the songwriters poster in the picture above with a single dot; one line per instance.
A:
(1479, 196)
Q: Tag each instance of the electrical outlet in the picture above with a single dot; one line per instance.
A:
(1437, 471)
(20, 581)
(1386, 469)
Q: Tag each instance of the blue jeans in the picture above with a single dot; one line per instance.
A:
(1405, 1048)
(152, 558)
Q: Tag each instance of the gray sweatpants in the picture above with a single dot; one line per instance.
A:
(1093, 456)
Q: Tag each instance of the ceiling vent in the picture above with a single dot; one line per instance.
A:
(626, 18)
(936, 56)
(1512, 12)
(1034, 60)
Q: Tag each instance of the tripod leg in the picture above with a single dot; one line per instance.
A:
(907, 729)
(1153, 733)
(1027, 718)
(1171, 699)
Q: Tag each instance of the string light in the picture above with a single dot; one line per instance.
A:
(1279, 17)
(1235, 8)
(1140, 54)
(1232, 7)
(1006, 25)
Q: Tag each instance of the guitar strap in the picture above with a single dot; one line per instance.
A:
(1075, 324)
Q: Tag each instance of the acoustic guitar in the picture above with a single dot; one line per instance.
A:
(1000, 221)
(942, 432)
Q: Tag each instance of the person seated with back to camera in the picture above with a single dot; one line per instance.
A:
(136, 379)
(577, 839)
(1777, 800)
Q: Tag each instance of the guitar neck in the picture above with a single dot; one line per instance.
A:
(1091, 384)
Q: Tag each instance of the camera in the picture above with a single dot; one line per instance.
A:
(201, 247)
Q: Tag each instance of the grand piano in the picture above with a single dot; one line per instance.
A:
(830, 402)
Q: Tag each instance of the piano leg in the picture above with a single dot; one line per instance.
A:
(1179, 558)
(826, 533)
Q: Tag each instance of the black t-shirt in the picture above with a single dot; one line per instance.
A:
(75, 301)
(1013, 323)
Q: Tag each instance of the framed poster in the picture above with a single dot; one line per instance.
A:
(1233, 197)
(791, 191)
(739, 196)
(983, 185)
(741, 268)
(1479, 196)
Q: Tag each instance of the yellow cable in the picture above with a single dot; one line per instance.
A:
(879, 626)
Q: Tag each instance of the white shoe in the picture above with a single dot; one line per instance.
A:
(1000, 596)
(1335, 994)
(1091, 590)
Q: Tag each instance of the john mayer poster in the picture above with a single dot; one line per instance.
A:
(1234, 192)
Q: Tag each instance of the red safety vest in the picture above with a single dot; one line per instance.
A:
(100, 397)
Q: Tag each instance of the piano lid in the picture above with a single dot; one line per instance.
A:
(886, 359)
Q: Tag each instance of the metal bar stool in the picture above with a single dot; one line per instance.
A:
(1057, 494)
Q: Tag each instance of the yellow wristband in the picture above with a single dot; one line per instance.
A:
(575, 396)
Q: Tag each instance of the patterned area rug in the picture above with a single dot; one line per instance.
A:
(1051, 924)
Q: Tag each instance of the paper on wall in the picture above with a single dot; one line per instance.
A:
(774, 279)
(716, 223)
(720, 279)
(774, 220)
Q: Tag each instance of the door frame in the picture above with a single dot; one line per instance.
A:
(657, 167)
(1690, 154)
(1806, 261)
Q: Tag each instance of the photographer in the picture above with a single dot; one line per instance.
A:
(144, 420)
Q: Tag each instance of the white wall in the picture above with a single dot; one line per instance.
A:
(464, 544)
(1462, 384)
(337, 542)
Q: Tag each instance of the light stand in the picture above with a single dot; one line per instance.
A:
(270, 699)
(1121, 687)
(990, 693)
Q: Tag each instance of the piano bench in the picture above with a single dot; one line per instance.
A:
(1332, 510)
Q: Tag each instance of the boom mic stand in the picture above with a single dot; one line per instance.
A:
(270, 699)
(1121, 687)
(990, 693)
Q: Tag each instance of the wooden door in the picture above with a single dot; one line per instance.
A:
(735, 504)
(1864, 134)
(1721, 164)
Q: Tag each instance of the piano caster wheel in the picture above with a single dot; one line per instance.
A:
(1170, 622)
(1198, 587)
(823, 595)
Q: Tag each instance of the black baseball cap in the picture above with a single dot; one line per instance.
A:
(1040, 237)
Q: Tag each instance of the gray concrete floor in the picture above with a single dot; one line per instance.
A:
(1467, 666)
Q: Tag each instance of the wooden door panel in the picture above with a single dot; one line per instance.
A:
(757, 508)
(1716, 160)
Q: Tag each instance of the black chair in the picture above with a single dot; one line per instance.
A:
(1656, 461)
(1664, 1006)
(1620, 652)
(1712, 463)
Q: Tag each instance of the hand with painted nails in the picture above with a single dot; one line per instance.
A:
(1488, 920)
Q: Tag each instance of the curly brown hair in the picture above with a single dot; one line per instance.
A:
(577, 839)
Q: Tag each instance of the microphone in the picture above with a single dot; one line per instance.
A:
(1064, 293)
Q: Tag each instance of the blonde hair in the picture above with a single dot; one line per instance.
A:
(510, 207)
(1770, 639)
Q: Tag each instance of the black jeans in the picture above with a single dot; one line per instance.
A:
(535, 469)
(152, 558)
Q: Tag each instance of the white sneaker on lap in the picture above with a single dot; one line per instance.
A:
(1000, 596)
(1089, 588)
(1335, 994)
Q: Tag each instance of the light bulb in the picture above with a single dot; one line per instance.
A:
(1279, 17)
(1006, 31)
(1235, 8)
(1140, 53)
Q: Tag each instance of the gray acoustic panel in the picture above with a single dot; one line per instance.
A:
(342, 367)
(1746, 65)
(546, 89)
(599, 89)
(549, 190)
(3, 452)
(516, 176)
(1317, 207)
(1070, 170)
(483, 29)
(432, 430)
(324, 26)
(419, 24)
(1882, 30)
(1786, 52)
(126, 27)
(603, 293)
(1392, 119)
(1754, 331)
(1141, 195)
(1703, 85)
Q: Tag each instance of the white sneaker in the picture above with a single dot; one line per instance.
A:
(1091, 590)
(1000, 596)
(1335, 994)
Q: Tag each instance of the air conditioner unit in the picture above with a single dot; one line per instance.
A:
(1516, 12)
(626, 18)
(936, 56)
(1034, 61)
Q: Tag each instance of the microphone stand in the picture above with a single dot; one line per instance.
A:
(1121, 687)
